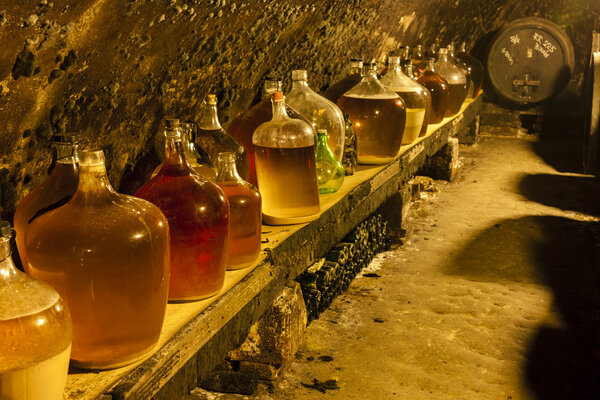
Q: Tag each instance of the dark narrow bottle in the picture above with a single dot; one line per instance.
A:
(197, 211)
(457, 82)
(245, 214)
(243, 126)
(432, 51)
(212, 137)
(438, 88)
(475, 66)
(335, 91)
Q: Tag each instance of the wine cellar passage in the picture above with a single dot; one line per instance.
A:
(189, 190)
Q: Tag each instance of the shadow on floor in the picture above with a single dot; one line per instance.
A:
(560, 143)
(573, 193)
(563, 254)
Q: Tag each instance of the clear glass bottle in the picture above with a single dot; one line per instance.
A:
(53, 192)
(35, 333)
(322, 113)
(378, 117)
(413, 95)
(330, 172)
(428, 111)
(195, 155)
(475, 67)
(107, 255)
(243, 126)
(197, 211)
(465, 68)
(214, 140)
(335, 91)
(457, 81)
(285, 167)
(404, 60)
(245, 214)
(439, 91)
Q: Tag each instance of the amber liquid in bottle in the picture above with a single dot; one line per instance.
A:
(414, 118)
(458, 93)
(288, 181)
(377, 137)
(197, 211)
(335, 91)
(107, 256)
(428, 111)
(440, 95)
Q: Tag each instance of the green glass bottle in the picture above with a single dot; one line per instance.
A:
(330, 172)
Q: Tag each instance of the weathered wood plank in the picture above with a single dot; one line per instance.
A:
(197, 335)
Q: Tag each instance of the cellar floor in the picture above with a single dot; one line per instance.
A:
(494, 295)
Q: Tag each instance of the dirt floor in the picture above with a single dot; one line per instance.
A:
(494, 295)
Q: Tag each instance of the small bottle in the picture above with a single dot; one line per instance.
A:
(336, 90)
(439, 91)
(243, 126)
(378, 117)
(285, 168)
(330, 172)
(404, 60)
(322, 113)
(195, 155)
(107, 254)
(245, 214)
(35, 333)
(475, 67)
(413, 94)
(214, 140)
(197, 211)
(457, 81)
(53, 192)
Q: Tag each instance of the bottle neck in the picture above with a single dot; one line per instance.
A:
(300, 84)
(210, 120)
(279, 112)
(174, 151)
(93, 183)
(66, 152)
(430, 64)
(7, 267)
(228, 171)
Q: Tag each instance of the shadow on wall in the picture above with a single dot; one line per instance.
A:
(564, 255)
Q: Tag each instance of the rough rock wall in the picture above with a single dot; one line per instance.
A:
(112, 70)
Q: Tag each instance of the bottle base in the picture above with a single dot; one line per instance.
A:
(373, 160)
(272, 220)
(114, 364)
(186, 299)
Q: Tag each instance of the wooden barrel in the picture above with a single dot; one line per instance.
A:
(529, 60)
(591, 95)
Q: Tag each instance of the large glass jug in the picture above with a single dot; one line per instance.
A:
(439, 91)
(35, 333)
(213, 138)
(465, 68)
(243, 126)
(322, 113)
(107, 254)
(197, 211)
(475, 67)
(335, 91)
(195, 155)
(413, 94)
(245, 214)
(457, 81)
(378, 117)
(53, 192)
(285, 167)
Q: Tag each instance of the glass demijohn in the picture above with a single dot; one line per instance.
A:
(475, 67)
(214, 140)
(330, 172)
(413, 95)
(245, 214)
(457, 81)
(439, 91)
(322, 113)
(35, 333)
(243, 126)
(378, 117)
(197, 211)
(464, 67)
(285, 167)
(53, 192)
(335, 91)
(107, 254)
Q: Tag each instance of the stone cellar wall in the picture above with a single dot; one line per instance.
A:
(112, 70)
